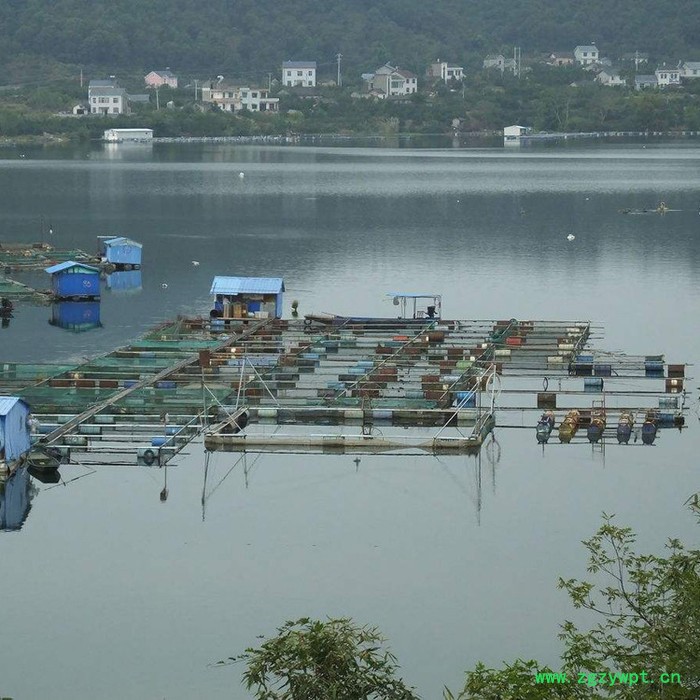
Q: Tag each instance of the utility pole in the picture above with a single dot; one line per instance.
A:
(340, 78)
(195, 89)
(81, 77)
(157, 100)
(269, 82)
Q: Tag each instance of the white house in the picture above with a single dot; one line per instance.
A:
(668, 76)
(157, 78)
(106, 97)
(500, 62)
(586, 54)
(234, 98)
(299, 73)
(610, 76)
(494, 61)
(445, 71)
(512, 134)
(690, 69)
(390, 81)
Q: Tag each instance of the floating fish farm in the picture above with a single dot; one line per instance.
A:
(354, 385)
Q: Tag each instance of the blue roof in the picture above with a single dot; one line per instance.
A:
(67, 265)
(7, 403)
(122, 240)
(247, 285)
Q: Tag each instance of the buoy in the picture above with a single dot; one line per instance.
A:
(241, 175)
(164, 285)
(570, 237)
(195, 263)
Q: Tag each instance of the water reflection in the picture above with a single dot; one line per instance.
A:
(124, 282)
(16, 495)
(76, 316)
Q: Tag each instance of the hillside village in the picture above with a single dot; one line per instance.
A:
(386, 82)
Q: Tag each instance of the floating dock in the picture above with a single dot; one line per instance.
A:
(16, 291)
(37, 256)
(374, 385)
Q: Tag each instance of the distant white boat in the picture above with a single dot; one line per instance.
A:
(128, 135)
(570, 237)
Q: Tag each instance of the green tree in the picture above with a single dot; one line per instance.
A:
(649, 607)
(314, 660)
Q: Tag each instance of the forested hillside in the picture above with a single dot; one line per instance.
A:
(252, 37)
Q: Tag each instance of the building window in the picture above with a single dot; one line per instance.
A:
(299, 73)
(94, 100)
(115, 100)
(253, 94)
(115, 110)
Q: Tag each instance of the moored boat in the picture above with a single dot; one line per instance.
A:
(44, 461)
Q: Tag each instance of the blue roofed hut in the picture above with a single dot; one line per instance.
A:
(15, 439)
(71, 279)
(120, 251)
(247, 297)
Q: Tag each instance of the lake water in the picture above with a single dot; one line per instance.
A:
(109, 593)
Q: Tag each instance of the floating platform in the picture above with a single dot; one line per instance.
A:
(383, 384)
(37, 256)
(16, 291)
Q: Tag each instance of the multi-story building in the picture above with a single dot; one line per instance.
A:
(301, 73)
(390, 81)
(235, 98)
(106, 97)
(157, 78)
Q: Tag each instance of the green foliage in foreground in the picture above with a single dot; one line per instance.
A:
(313, 660)
(649, 620)
(649, 611)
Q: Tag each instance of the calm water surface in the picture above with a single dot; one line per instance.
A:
(110, 593)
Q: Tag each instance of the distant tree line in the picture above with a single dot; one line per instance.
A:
(253, 37)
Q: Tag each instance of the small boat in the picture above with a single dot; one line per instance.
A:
(44, 461)
(649, 427)
(597, 425)
(569, 426)
(544, 428)
(624, 428)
